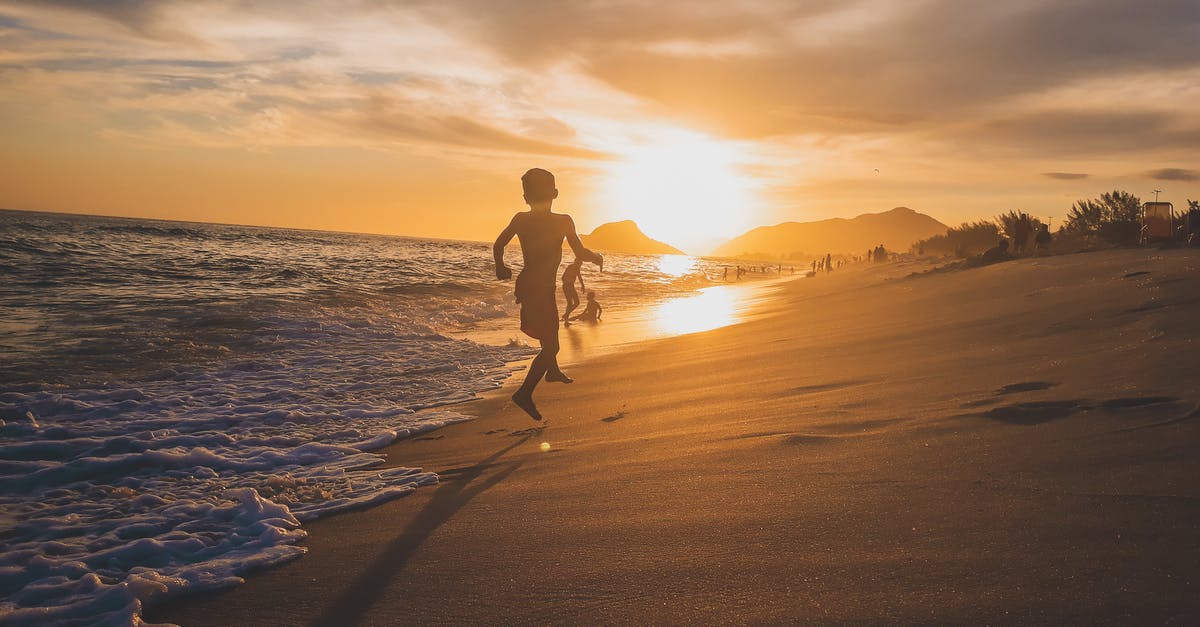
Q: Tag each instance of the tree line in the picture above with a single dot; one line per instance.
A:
(1112, 219)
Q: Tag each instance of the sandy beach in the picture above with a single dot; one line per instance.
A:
(1009, 444)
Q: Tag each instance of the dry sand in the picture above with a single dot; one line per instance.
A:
(1015, 443)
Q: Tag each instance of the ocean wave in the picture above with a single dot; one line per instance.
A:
(177, 398)
(121, 496)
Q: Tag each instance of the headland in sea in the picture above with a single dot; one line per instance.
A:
(1007, 444)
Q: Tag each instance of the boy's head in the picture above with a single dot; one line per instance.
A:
(539, 187)
(591, 294)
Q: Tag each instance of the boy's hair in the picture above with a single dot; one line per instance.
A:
(591, 293)
(538, 185)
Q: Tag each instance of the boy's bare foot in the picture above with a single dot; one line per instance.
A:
(524, 400)
(558, 376)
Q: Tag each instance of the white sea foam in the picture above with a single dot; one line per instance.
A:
(117, 496)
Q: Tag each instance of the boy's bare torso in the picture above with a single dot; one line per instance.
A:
(541, 234)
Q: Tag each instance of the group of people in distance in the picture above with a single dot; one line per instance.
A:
(1000, 252)
(541, 234)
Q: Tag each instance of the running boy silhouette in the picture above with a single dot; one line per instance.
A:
(569, 277)
(541, 234)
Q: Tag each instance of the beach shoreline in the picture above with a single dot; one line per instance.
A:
(1004, 444)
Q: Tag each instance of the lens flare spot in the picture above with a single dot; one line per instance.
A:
(545, 446)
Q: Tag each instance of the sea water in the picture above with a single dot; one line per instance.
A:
(176, 399)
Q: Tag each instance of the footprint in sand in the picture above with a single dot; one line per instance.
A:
(1027, 386)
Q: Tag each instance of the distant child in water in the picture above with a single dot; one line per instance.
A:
(569, 277)
(541, 234)
(593, 311)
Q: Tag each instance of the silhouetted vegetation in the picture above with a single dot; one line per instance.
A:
(1114, 218)
(970, 238)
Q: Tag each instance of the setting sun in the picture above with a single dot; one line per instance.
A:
(686, 190)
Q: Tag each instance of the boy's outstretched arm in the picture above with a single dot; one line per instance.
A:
(577, 245)
(502, 271)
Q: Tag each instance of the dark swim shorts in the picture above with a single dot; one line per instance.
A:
(539, 307)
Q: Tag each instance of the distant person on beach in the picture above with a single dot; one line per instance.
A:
(541, 234)
(593, 310)
(1022, 230)
(1041, 241)
(569, 277)
(868, 255)
(996, 253)
(828, 262)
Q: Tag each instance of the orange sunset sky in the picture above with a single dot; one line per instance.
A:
(698, 119)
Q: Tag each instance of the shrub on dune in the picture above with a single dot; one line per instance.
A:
(1114, 218)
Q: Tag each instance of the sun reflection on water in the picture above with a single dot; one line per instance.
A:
(710, 309)
(676, 265)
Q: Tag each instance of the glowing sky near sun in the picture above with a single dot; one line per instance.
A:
(698, 119)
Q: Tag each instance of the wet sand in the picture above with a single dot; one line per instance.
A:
(1010, 444)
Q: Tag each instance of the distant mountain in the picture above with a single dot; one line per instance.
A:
(626, 237)
(896, 230)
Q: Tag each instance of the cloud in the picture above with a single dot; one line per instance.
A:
(384, 118)
(1065, 176)
(870, 80)
(832, 68)
(144, 18)
(1083, 132)
(134, 14)
(1174, 174)
(267, 76)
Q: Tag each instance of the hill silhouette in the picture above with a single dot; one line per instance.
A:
(626, 237)
(896, 229)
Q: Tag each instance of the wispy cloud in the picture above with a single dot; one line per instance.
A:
(1174, 174)
(211, 76)
(1065, 176)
